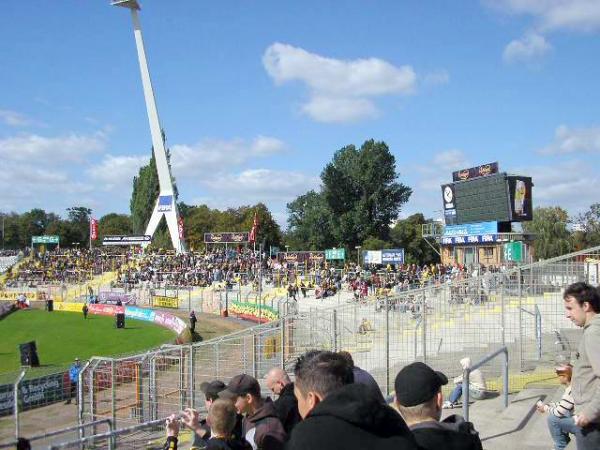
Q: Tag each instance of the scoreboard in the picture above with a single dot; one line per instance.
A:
(495, 197)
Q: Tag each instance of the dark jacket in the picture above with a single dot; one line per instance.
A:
(220, 444)
(350, 418)
(453, 433)
(264, 428)
(363, 377)
(286, 407)
(236, 435)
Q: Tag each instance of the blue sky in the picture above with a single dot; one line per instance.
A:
(256, 96)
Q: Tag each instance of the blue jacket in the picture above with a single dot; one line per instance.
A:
(74, 373)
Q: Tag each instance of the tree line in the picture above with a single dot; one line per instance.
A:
(357, 205)
(556, 233)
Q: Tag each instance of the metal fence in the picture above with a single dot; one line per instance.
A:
(521, 309)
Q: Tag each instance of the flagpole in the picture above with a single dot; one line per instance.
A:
(90, 232)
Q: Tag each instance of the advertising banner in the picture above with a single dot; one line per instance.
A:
(477, 239)
(302, 257)
(165, 302)
(113, 297)
(225, 237)
(475, 172)
(471, 229)
(105, 310)
(126, 240)
(520, 190)
(169, 321)
(335, 253)
(133, 312)
(36, 392)
(93, 229)
(392, 256)
(165, 203)
(45, 239)
(513, 251)
(372, 257)
(71, 307)
(31, 295)
(180, 227)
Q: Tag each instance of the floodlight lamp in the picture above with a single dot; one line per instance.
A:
(131, 4)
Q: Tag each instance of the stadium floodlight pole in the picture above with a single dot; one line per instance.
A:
(165, 204)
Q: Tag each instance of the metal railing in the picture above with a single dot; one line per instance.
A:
(437, 324)
(467, 371)
(110, 436)
(55, 433)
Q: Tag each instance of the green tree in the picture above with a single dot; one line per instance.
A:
(112, 224)
(588, 234)
(67, 231)
(373, 243)
(79, 217)
(144, 195)
(408, 234)
(310, 223)
(362, 192)
(550, 227)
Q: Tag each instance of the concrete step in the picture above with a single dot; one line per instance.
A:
(519, 426)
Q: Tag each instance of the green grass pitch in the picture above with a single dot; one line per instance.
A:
(62, 336)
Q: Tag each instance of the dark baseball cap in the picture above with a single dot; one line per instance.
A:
(417, 383)
(211, 389)
(241, 385)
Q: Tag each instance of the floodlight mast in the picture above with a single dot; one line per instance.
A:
(165, 204)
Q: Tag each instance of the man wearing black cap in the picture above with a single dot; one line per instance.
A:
(419, 399)
(339, 414)
(261, 426)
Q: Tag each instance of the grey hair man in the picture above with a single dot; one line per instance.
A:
(278, 381)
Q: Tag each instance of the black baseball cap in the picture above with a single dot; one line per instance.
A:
(241, 385)
(211, 389)
(417, 383)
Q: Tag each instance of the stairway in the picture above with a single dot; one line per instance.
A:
(519, 426)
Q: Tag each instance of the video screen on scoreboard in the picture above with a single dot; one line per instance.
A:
(496, 197)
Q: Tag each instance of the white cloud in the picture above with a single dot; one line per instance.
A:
(573, 140)
(436, 78)
(14, 119)
(335, 83)
(530, 47)
(265, 146)
(51, 150)
(553, 15)
(30, 185)
(265, 184)
(340, 109)
(570, 185)
(449, 160)
(116, 171)
(212, 155)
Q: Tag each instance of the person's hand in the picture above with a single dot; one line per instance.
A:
(540, 407)
(172, 426)
(190, 418)
(581, 420)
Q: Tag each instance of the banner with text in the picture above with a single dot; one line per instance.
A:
(225, 238)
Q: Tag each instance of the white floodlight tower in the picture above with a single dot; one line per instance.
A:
(165, 204)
